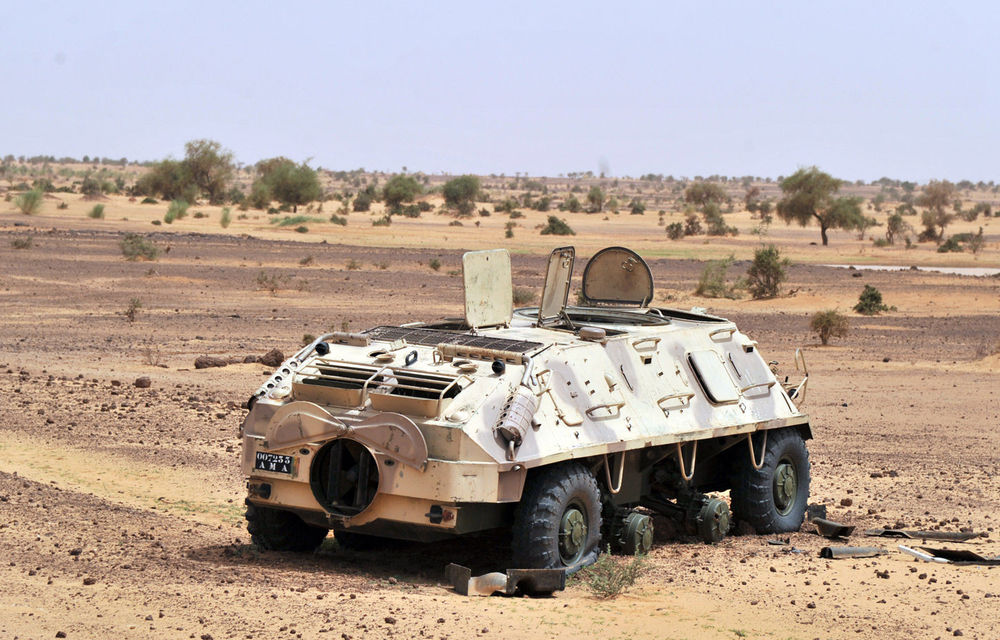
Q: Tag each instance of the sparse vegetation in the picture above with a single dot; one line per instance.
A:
(226, 218)
(461, 193)
(828, 324)
(766, 273)
(136, 247)
(712, 283)
(675, 230)
(870, 302)
(177, 210)
(132, 310)
(523, 295)
(938, 195)
(307, 261)
(609, 577)
(399, 189)
(338, 220)
(96, 212)
(30, 202)
(22, 243)
(353, 265)
(289, 183)
(434, 264)
(557, 227)
(291, 221)
(269, 282)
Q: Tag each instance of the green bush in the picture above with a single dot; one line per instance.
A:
(610, 576)
(335, 219)
(434, 264)
(148, 200)
(226, 218)
(29, 202)
(951, 245)
(828, 324)
(22, 243)
(675, 230)
(637, 207)
(135, 247)
(62, 205)
(557, 227)
(766, 272)
(291, 221)
(363, 202)
(302, 229)
(177, 210)
(384, 221)
(692, 225)
(870, 302)
(460, 193)
(712, 283)
(97, 212)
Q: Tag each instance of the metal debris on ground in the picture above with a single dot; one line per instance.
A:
(780, 543)
(949, 536)
(851, 552)
(815, 511)
(831, 529)
(951, 556)
(531, 581)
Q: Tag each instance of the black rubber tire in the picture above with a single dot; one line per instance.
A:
(352, 541)
(566, 490)
(276, 530)
(757, 498)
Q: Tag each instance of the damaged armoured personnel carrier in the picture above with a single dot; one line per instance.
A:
(567, 425)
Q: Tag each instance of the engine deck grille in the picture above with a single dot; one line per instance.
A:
(432, 337)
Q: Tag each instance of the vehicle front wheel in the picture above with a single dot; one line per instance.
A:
(276, 530)
(773, 499)
(557, 524)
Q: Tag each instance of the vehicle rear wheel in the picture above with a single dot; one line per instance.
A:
(773, 499)
(558, 521)
(276, 530)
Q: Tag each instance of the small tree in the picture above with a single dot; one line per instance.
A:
(870, 302)
(712, 283)
(211, 168)
(289, 183)
(595, 197)
(766, 272)
(703, 193)
(460, 193)
(809, 195)
(896, 227)
(572, 204)
(937, 197)
(637, 207)
(399, 189)
(828, 324)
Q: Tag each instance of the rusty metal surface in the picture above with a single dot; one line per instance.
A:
(530, 581)
(851, 552)
(831, 529)
(949, 536)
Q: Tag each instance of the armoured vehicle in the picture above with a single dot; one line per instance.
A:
(567, 425)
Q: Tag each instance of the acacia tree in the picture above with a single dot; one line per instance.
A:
(937, 197)
(399, 189)
(210, 166)
(461, 193)
(287, 182)
(810, 195)
(596, 199)
(704, 193)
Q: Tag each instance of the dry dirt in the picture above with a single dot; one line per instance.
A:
(121, 507)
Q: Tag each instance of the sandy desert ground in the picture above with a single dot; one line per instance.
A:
(121, 507)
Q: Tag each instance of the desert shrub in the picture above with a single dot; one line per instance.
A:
(870, 302)
(572, 204)
(30, 202)
(766, 272)
(157, 222)
(951, 245)
(260, 195)
(715, 223)
(424, 206)
(692, 225)
(595, 197)
(62, 205)
(132, 310)
(289, 183)
(96, 212)
(976, 242)
(362, 202)
(302, 229)
(828, 324)
(557, 227)
(637, 207)
(149, 200)
(543, 204)
(712, 283)
(44, 185)
(675, 230)
(353, 265)
(409, 211)
(880, 242)
(308, 260)
(226, 218)
(523, 295)
(434, 264)
(455, 223)
(460, 193)
(268, 281)
(610, 576)
(290, 221)
(509, 229)
(177, 210)
(505, 206)
(335, 219)
(384, 221)
(22, 243)
(135, 247)
(90, 186)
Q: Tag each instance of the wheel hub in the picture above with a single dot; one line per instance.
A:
(785, 487)
(572, 535)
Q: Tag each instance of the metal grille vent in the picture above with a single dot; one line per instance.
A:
(433, 337)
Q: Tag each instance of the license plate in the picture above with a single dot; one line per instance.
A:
(273, 462)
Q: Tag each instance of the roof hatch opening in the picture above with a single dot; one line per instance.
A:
(617, 276)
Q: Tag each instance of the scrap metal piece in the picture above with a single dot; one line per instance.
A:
(533, 581)
(949, 536)
(920, 555)
(815, 511)
(961, 557)
(851, 552)
(831, 529)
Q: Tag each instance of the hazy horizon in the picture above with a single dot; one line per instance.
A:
(896, 90)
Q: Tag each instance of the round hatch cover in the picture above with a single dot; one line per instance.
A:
(617, 275)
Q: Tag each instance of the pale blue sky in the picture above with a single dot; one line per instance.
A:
(906, 90)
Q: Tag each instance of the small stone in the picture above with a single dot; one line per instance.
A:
(143, 382)
(205, 362)
(957, 632)
(390, 620)
(76, 551)
(846, 502)
(60, 634)
(89, 581)
(116, 383)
